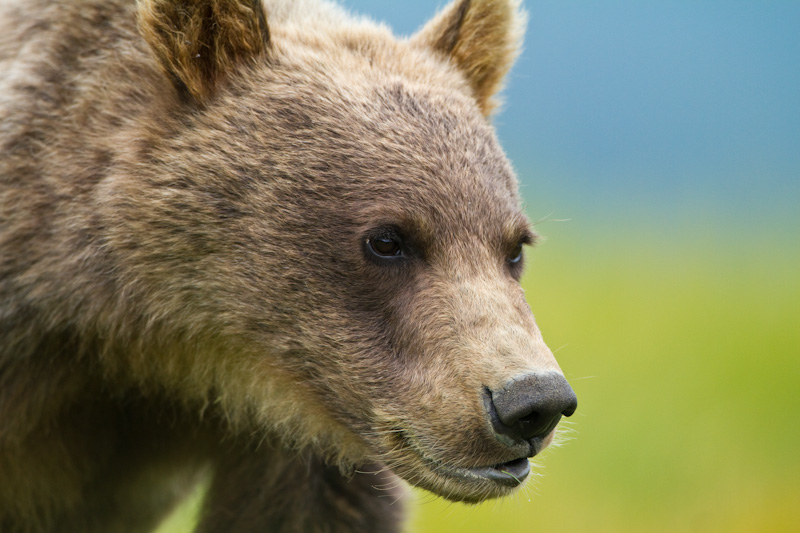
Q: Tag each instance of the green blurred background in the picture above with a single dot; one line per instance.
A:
(658, 146)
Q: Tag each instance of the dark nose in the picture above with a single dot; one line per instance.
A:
(530, 406)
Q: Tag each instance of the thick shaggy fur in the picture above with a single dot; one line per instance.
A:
(187, 192)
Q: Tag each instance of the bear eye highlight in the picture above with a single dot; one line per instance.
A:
(384, 246)
(516, 254)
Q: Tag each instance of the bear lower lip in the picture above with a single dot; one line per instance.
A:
(512, 473)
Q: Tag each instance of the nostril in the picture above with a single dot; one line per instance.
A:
(530, 405)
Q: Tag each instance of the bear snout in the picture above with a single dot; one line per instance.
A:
(528, 408)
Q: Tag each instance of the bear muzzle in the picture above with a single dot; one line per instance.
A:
(520, 418)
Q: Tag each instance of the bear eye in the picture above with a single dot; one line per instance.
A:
(384, 246)
(516, 254)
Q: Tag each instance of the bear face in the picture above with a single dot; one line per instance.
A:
(283, 221)
(348, 194)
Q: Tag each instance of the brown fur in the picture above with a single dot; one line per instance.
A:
(184, 281)
(199, 42)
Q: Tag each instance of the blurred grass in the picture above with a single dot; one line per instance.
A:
(686, 359)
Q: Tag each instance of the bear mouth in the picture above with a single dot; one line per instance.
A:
(461, 483)
(509, 474)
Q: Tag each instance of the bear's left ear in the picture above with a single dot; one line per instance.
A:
(199, 42)
(482, 38)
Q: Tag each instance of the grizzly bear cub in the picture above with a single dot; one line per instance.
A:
(261, 244)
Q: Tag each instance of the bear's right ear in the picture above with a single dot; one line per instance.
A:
(199, 42)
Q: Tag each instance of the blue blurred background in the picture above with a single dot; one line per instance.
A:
(680, 110)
